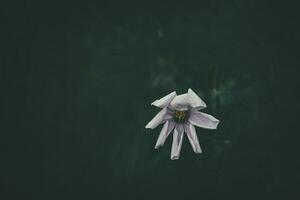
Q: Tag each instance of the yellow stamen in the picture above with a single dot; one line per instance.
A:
(180, 116)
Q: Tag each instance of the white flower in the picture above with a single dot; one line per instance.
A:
(181, 113)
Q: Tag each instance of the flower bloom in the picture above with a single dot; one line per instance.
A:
(180, 113)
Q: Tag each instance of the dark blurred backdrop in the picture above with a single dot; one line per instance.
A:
(77, 80)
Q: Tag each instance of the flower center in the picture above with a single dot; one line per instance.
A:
(181, 116)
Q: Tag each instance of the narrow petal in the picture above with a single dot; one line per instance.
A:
(192, 136)
(195, 101)
(203, 120)
(157, 119)
(177, 142)
(165, 131)
(165, 101)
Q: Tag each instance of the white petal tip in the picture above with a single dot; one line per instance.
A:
(154, 103)
(175, 158)
(148, 126)
(217, 123)
(164, 102)
(195, 101)
(156, 147)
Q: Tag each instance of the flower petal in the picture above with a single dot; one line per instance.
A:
(192, 136)
(189, 99)
(168, 115)
(195, 101)
(203, 120)
(165, 131)
(180, 102)
(157, 119)
(177, 142)
(165, 101)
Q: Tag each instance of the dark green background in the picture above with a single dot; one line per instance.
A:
(77, 80)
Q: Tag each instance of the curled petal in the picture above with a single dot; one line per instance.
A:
(195, 101)
(192, 136)
(165, 101)
(180, 102)
(203, 120)
(157, 119)
(165, 131)
(177, 142)
(189, 99)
